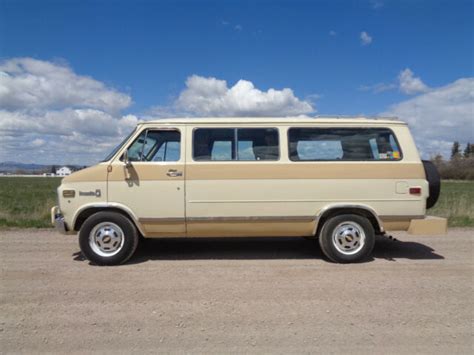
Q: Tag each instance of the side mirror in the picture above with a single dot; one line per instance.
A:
(125, 159)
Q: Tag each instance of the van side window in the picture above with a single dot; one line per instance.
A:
(346, 144)
(230, 144)
(213, 144)
(257, 144)
(155, 145)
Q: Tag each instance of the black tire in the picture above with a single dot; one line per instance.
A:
(128, 242)
(332, 249)
(434, 181)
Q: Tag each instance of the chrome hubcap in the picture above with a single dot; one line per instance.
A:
(348, 238)
(106, 239)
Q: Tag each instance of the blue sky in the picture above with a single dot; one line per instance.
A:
(147, 50)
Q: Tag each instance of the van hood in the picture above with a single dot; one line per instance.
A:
(93, 173)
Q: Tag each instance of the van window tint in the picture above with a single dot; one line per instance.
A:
(351, 144)
(243, 144)
(222, 150)
(319, 150)
(213, 144)
(257, 144)
(155, 145)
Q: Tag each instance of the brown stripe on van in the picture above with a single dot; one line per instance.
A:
(307, 170)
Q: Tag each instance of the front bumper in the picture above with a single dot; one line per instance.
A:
(57, 220)
(429, 225)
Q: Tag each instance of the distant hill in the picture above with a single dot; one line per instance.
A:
(13, 166)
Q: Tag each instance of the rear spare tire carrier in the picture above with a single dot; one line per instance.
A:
(434, 181)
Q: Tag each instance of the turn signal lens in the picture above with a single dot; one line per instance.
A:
(415, 190)
(69, 193)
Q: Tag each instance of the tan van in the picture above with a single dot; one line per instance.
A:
(342, 181)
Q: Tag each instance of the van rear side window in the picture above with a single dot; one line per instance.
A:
(345, 144)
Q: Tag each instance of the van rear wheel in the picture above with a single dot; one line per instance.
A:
(347, 238)
(108, 238)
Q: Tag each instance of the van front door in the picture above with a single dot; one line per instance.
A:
(151, 185)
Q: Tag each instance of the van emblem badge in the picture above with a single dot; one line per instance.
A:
(95, 193)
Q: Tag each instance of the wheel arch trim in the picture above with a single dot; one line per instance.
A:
(109, 205)
(335, 206)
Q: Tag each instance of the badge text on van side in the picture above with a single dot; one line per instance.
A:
(95, 193)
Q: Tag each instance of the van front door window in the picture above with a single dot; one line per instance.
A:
(155, 145)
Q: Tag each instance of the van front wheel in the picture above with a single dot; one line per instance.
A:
(108, 238)
(347, 238)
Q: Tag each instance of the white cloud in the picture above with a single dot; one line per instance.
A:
(38, 142)
(212, 97)
(409, 84)
(378, 88)
(376, 4)
(237, 27)
(69, 136)
(406, 82)
(440, 116)
(365, 38)
(27, 83)
(57, 112)
(64, 122)
(313, 98)
(50, 114)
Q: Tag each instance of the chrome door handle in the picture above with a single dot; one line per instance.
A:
(174, 173)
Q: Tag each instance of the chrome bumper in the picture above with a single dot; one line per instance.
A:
(57, 220)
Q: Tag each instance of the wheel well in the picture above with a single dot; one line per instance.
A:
(90, 211)
(348, 210)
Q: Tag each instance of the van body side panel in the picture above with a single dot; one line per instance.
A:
(283, 198)
(293, 199)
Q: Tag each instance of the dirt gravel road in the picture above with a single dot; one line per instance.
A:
(237, 295)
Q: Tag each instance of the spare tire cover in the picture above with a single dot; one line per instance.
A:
(434, 181)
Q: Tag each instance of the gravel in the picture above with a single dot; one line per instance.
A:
(265, 295)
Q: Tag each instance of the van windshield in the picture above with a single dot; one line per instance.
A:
(115, 150)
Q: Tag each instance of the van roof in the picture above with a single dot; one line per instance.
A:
(281, 120)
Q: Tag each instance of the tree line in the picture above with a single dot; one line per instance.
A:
(460, 166)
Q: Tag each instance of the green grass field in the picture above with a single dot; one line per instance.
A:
(26, 202)
(456, 202)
